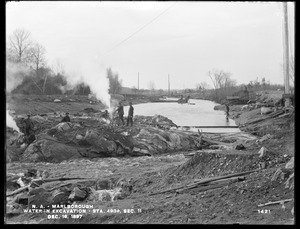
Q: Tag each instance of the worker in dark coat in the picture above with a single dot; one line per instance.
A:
(66, 118)
(130, 114)
(105, 114)
(227, 110)
(28, 126)
(120, 111)
(28, 130)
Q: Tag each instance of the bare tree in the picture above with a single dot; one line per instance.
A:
(37, 57)
(58, 67)
(221, 80)
(19, 45)
(217, 78)
(37, 61)
(202, 86)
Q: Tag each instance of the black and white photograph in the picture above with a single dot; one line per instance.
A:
(149, 112)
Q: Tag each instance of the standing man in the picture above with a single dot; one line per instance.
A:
(66, 118)
(28, 126)
(120, 111)
(227, 110)
(130, 114)
(29, 130)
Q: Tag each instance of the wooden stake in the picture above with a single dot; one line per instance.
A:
(275, 202)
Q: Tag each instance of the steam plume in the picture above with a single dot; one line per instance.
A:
(15, 73)
(92, 74)
(11, 122)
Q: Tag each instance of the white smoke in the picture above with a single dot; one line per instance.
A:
(15, 73)
(64, 88)
(11, 122)
(91, 73)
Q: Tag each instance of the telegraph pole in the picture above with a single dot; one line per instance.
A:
(287, 56)
(168, 85)
(138, 81)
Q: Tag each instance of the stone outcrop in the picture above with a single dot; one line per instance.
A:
(152, 136)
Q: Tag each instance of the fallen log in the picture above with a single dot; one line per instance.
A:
(206, 180)
(45, 180)
(212, 185)
(63, 179)
(17, 191)
(203, 188)
(204, 127)
(275, 202)
(240, 178)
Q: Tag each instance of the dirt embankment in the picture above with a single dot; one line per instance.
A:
(224, 186)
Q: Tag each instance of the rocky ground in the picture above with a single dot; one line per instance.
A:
(150, 173)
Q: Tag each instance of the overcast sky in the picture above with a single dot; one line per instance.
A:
(182, 39)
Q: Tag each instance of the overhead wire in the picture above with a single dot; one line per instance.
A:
(144, 26)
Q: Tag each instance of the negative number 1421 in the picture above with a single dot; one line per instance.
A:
(265, 211)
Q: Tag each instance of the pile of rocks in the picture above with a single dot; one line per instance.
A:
(33, 188)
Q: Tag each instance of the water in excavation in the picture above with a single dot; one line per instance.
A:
(202, 113)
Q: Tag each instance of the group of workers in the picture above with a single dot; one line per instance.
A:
(120, 111)
(28, 126)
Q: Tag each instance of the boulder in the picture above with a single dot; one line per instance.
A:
(239, 147)
(290, 164)
(100, 144)
(281, 174)
(22, 198)
(34, 191)
(103, 184)
(36, 183)
(14, 209)
(38, 118)
(77, 194)
(290, 182)
(262, 152)
(265, 110)
(39, 197)
(79, 137)
(63, 126)
(175, 140)
(265, 137)
(140, 152)
(45, 150)
(43, 197)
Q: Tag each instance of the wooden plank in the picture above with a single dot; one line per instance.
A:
(275, 202)
(207, 180)
(18, 191)
(189, 127)
(211, 184)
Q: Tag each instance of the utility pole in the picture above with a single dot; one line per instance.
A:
(287, 56)
(138, 81)
(168, 85)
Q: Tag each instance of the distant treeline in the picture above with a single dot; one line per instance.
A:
(29, 73)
